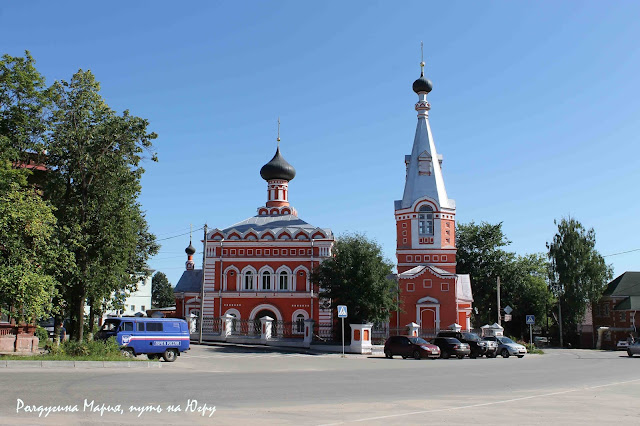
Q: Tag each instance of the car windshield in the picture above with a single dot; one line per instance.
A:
(418, 341)
(505, 340)
(110, 325)
(471, 336)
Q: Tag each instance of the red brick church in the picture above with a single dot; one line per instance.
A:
(260, 266)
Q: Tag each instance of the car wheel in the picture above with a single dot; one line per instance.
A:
(493, 355)
(473, 356)
(416, 354)
(505, 353)
(388, 354)
(445, 355)
(460, 356)
(170, 355)
(630, 354)
(127, 352)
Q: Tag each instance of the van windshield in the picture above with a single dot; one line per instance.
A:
(110, 325)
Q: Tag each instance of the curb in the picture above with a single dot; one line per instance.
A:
(78, 364)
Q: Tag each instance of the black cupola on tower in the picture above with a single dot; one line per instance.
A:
(277, 168)
(190, 250)
(422, 84)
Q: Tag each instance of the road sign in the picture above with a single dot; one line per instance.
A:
(531, 319)
(507, 310)
(507, 317)
(342, 311)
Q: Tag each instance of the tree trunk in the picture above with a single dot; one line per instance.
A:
(80, 314)
(92, 314)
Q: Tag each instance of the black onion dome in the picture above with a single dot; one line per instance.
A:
(277, 168)
(422, 84)
(190, 250)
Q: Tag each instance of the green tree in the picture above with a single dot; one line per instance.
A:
(578, 273)
(480, 255)
(357, 276)
(526, 290)
(161, 291)
(94, 183)
(28, 254)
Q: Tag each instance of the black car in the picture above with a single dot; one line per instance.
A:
(451, 346)
(478, 346)
(407, 346)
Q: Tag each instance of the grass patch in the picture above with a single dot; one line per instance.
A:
(95, 350)
(532, 349)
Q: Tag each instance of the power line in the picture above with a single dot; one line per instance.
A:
(622, 252)
(179, 235)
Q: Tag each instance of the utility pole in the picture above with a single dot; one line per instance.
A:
(204, 258)
(560, 320)
(499, 310)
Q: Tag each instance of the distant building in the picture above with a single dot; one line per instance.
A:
(260, 266)
(432, 294)
(617, 313)
(135, 302)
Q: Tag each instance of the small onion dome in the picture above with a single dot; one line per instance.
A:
(422, 84)
(190, 250)
(277, 168)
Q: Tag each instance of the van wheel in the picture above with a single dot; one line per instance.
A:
(127, 352)
(170, 355)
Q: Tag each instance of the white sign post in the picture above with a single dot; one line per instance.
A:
(531, 319)
(342, 313)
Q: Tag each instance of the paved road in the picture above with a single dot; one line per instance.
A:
(259, 386)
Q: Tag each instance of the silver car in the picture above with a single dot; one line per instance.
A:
(633, 349)
(507, 347)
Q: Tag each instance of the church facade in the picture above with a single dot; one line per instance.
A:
(432, 295)
(261, 266)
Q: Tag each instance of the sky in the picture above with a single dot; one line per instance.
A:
(534, 108)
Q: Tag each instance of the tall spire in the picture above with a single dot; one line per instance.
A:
(278, 133)
(424, 174)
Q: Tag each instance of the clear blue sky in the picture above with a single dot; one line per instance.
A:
(535, 107)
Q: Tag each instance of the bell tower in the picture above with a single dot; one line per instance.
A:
(425, 216)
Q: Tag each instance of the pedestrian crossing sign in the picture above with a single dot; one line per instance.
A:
(342, 311)
(531, 319)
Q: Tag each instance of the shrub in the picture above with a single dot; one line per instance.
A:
(91, 348)
(42, 334)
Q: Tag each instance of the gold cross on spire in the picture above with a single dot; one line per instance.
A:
(278, 132)
(190, 232)
(421, 58)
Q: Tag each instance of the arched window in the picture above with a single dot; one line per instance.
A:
(248, 280)
(425, 220)
(284, 281)
(266, 280)
(299, 323)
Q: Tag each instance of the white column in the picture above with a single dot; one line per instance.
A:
(361, 338)
(265, 333)
(414, 329)
(308, 332)
(227, 325)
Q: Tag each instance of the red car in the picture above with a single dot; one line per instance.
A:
(409, 346)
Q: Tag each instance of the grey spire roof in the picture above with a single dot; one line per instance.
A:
(277, 168)
(189, 282)
(419, 184)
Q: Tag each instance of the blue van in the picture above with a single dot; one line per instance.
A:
(156, 337)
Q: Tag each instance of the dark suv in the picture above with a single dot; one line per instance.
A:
(478, 346)
(451, 346)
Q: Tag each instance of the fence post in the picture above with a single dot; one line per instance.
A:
(308, 332)
(414, 329)
(227, 326)
(265, 329)
(361, 338)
